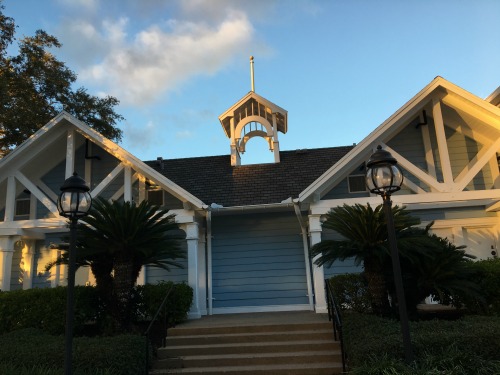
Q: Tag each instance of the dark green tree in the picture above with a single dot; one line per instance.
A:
(116, 239)
(364, 238)
(35, 86)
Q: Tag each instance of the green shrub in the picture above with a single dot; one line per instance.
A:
(45, 309)
(488, 277)
(469, 345)
(177, 306)
(32, 351)
(351, 292)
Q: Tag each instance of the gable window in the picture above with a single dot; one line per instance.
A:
(155, 196)
(23, 204)
(357, 183)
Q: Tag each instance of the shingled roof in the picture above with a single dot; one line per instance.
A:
(212, 179)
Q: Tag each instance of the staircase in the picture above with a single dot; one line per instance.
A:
(257, 344)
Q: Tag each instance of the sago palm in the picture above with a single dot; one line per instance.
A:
(116, 239)
(364, 238)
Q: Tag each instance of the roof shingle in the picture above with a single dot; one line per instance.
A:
(213, 180)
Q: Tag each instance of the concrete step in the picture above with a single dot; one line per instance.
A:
(228, 338)
(329, 368)
(250, 359)
(202, 331)
(226, 347)
(268, 347)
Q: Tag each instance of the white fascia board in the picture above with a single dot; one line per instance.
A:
(34, 144)
(417, 201)
(384, 131)
(137, 164)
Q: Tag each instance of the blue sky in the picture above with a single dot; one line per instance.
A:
(340, 68)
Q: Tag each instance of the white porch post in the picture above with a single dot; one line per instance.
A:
(202, 275)
(29, 264)
(192, 238)
(6, 253)
(318, 272)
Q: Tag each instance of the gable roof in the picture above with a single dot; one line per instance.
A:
(54, 127)
(213, 180)
(393, 125)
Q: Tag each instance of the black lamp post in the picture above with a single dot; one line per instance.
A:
(74, 202)
(383, 177)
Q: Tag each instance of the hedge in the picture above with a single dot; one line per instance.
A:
(45, 309)
(469, 345)
(32, 350)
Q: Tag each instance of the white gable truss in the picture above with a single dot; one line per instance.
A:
(23, 165)
(436, 180)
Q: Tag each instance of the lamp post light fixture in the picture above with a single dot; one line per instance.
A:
(384, 177)
(74, 203)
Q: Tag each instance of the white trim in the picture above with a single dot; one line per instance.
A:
(414, 170)
(257, 309)
(459, 199)
(444, 154)
(478, 222)
(109, 146)
(10, 203)
(476, 164)
(107, 180)
(438, 88)
(70, 153)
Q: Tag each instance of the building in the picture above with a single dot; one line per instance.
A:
(249, 227)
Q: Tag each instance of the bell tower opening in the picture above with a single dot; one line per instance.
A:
(253, 116)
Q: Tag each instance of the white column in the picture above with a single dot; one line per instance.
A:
(276, 145)
(6, 253)
(141, 279)
(202, 274)
(192, 238)
(10, 202)
(235, 154)
(127, 184)
(318, 272)
(29, 264)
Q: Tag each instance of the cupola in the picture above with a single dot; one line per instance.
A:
(253, 116)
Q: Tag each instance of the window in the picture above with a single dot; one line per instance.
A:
(155, 197)
(23, 204)
(356, 184)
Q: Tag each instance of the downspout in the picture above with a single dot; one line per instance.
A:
(305, 241)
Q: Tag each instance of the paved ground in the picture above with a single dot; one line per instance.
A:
(270, 318)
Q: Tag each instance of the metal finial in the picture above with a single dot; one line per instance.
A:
(252, 81)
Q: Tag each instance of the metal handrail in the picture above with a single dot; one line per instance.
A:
(146, 333)
(336, 319)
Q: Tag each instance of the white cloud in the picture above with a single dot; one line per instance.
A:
(184, 134)
(142, 136)
(139, 67)
(87, 5)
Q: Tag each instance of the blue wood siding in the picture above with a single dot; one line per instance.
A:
(258, 260)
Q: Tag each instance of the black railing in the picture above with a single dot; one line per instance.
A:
(148, 330)
(336, 319)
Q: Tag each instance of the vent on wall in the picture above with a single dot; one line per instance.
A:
(357, 183)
